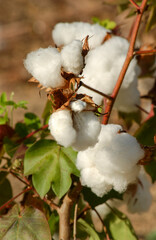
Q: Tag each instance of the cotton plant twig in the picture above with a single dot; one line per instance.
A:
(135, 4)
(104, 227)
(130, 54)
(96, 91)
(12, 199)
(144, 52)
(75, 221)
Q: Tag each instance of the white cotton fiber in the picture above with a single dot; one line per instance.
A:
(61, 127)
(71, 57)
(114, 156)
(141, 199)
(65, 33)
(45, 65)
(77, 129)
(88, 128)
(91, 177)
(78, 106)
(103, 66)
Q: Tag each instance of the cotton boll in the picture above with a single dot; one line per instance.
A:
(91, 177)
(78, 106)
(45, 65)
(71, 57)
(141, 200)
(117, 150)
(65, 33)
(61, 127)
(85, 159)
(88, 128)
(103, 66)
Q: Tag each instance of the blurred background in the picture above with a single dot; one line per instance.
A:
(26, 25)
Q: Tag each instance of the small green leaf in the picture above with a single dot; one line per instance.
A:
(10, 146)
(21, 104)
(3, 99)
(32, 121)
(53, 222)
(21, 129)
(50, 164)
(151, 168)
(119, 226)
(29, 223)
(94, 200)
(47, 111)
(145, 134)
(85, 227)
(5, 189)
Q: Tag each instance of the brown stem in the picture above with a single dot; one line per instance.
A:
(145, 52)
(75, 220)
(65, 211)
(135, 4)
(32, 133)
(104, 227)
(94, 90)
(142, 109)
(12, 199)
(129, 57)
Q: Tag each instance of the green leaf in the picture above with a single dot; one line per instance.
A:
(47, 111)
(21, 129)
(145, 134)
(29, 223)
(104, 23)
(5, 189)
(151, 168)
(94, 200)
(53, 222)
(3, 99)
(50, 164)
(32, 121)
(21, 104)
(85, 227)
(119, 226)
(10, 146)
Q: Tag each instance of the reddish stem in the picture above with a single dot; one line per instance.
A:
(129, 57)
(135, 5)
(12, 199)
(145, 52)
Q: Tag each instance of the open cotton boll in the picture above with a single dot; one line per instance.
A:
(118, 150)
(88, 128)
(64, 33)
(103, 66)
(113, 158)
(45, 65)
(77, 129)
(61, 127)
(91, 177)
(78, 106)
(71, 57)
(142, 199)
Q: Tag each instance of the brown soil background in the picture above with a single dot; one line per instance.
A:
(26, 25)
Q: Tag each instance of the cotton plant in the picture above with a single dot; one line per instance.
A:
(89, 72)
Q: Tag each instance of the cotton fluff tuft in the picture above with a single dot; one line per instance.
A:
(78, 106)
(65, 33)
(61, 127)
(77, 129)
(71, 57)
(112, 159)
(103, 66)
(45, 65)
(141, 200)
